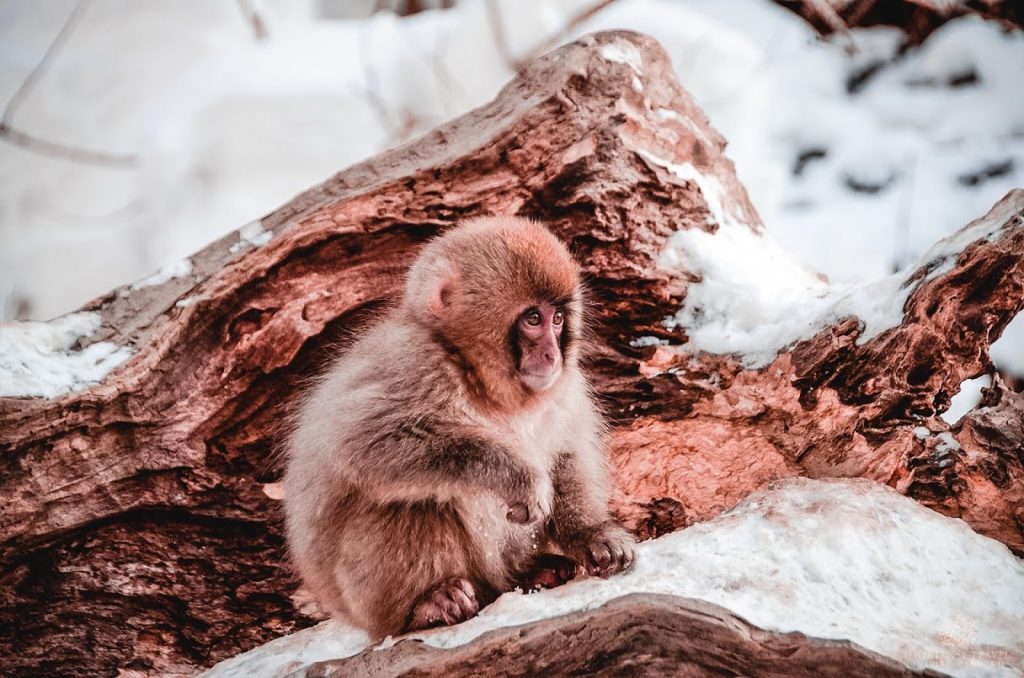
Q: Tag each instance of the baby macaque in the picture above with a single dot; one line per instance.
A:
(454, 451)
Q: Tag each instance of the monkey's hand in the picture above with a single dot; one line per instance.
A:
(604, 551)
(547, 572)
(530, 501)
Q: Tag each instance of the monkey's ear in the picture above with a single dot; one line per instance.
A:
(430, 288)
(441, 292)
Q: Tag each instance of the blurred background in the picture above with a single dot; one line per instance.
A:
(135, 132)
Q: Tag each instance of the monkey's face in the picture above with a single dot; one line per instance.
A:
(537, 341)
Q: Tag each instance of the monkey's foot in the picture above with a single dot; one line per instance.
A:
(609, 550)
(449, 603)
(548, 571)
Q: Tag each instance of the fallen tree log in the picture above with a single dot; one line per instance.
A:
(639, 634)
(141, 531)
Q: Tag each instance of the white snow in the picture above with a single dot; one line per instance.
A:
(226, 127)
(623, 52)
(178, 269)
(325, 641)
(841, 559)
(40, 358)
(641, 342)
(755, 298)
(966, 398)
(252, 234)
(910, 133)
(947, 443)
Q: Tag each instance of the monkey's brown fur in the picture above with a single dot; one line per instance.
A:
(412, 460)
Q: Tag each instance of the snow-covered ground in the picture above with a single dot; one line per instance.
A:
(833, 559)
(857, 161)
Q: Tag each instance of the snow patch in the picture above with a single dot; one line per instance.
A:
(947, 443)
(710, 187)
(622, 52)
(325, 641)
(252, 234)
(178, 269)
(684, 120)
(839, 559)
(641, 342)
(754, 299)
(39, 359)
(966, 399)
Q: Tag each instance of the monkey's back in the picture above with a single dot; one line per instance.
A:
(342, 525)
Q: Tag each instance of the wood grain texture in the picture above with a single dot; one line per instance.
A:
(636, 635)
(138, 530)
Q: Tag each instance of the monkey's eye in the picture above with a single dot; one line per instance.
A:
(533, 317)
(558, 318)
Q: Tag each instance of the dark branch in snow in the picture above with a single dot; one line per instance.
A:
(43, 146)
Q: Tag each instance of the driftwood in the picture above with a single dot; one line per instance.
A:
(139, 528)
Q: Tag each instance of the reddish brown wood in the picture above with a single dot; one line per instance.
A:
(917, 18)
(639, 634)
(138, 529)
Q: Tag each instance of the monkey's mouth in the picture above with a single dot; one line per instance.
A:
(540, 380)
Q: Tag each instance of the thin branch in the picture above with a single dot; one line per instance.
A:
(497, 22)
(44, 64)
(372, 85)
(859, 11)
(43, 146)
(59, 150)
(256, 22)
(434, 60)
(566, 31)
(399, 126)
(828, 14)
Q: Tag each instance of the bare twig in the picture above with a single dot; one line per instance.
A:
(824, 10)
(256, 22)
(566, 31)
(399, 125)
(434, 60)
(9, 132)
(497, 21)
(59, 150)
(856, 15)
(370, 90)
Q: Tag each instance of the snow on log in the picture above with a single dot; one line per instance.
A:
(141, 528)
(811, 576)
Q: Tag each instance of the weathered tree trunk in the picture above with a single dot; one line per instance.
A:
(139, 529)
(638, 634)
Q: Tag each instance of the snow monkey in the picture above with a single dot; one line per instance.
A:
(454, 451)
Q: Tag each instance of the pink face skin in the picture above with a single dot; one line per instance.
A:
(539, 333)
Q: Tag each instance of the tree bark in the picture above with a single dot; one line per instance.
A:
(638, 634)
(140, 529)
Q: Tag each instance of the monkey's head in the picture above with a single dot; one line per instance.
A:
(503, 295)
